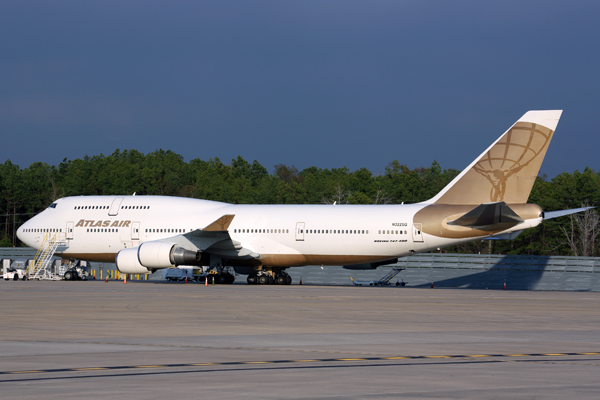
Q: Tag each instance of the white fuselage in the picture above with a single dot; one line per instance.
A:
(98, 227)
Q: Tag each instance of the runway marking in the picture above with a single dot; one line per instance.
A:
(23, 372)
(88, 369)
(324, 360)
(202, 364)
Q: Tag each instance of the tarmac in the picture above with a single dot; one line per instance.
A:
(153, 340)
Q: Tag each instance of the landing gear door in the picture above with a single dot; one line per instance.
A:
(300, 231)
(115, 206)
(417, 233)
(70, 230)
(135, 231)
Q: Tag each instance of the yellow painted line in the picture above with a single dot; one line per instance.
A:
(24, 372)
(589, 354)
(303, 361)
(87, 369)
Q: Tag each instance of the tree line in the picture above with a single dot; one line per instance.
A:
(25, 192)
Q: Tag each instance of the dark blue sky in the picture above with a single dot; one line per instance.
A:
(323, 83)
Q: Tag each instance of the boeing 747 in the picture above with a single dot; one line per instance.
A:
(142, 234)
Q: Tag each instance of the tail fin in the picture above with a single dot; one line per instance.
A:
(506, 171)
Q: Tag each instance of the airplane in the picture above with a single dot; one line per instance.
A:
(385, 281)
(143, 234)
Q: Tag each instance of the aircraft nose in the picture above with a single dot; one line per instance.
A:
(23, 235)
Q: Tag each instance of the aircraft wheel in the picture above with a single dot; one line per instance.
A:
(68, 276)
(222, 279)
(262, 279)
(280, 280)
(288, 280)
(251, 279)
(230, 279)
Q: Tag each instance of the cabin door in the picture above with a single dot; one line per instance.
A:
(417, 234)
(300, 231)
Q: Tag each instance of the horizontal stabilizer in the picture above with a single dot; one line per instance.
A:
(488, 214)
(561, 213)
(505, 236)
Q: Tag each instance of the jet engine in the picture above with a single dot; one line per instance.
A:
(128, 263)
(158, 254)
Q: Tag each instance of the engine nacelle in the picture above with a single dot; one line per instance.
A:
(370, 265)
(158, 254)
(128, 263)
(181, 256)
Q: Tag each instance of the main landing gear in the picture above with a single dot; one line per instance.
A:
(269, 278)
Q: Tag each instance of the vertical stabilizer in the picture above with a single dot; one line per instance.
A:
(506, 171)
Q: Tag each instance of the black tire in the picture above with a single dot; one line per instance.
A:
(288, 280)
(221, 279)
(280, 280)
(24, 278)
(230, 279)
(251, 279)
(15, 277)
(68, 276)
(75, 276)
(262, 279)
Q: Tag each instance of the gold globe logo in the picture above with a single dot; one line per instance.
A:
(522, 144)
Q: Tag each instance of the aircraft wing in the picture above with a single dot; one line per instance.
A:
(215, 239)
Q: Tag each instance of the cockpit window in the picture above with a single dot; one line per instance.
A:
(53, 205)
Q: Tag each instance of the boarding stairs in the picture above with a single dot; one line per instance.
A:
(388, 277)
(40, 268)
